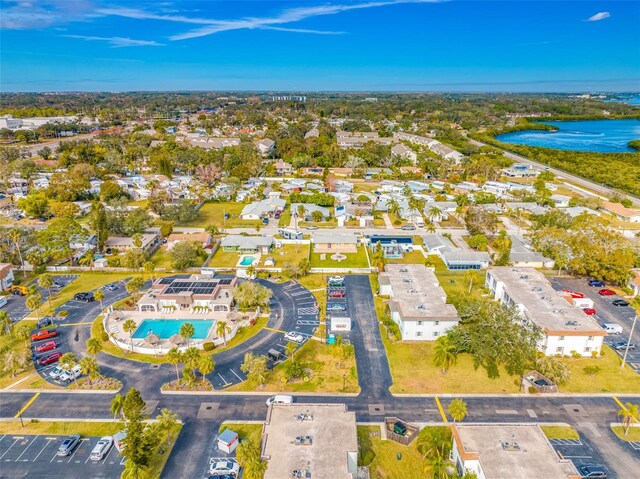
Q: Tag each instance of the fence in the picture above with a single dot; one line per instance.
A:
(412, 431)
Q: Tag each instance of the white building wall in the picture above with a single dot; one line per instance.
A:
(583, 345)
(427, 330)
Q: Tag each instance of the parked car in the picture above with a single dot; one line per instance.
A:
(620, 302)
(70, 375)
(622, 345)
(101, 449)
(606, 292)
(50, 359)
(274, 355)
(86, 297)
(612, 328)
(68, 445)
(44, 334)
(592, 471)
(336, 293)
(594, 283)
(48, 346)
(111, 287)
(408, 228)
(294, 337)
(574, 294)
(118, 439)
(3, 301)
(336, 308)
(335, 280)
(279, 399)
(589, 311)
(18, 290)
(224, 467)
(311, 228)
(265, 221)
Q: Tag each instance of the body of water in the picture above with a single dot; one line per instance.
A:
(628, 99)
(165, 328)
(603, 136)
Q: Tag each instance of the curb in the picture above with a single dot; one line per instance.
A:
(518, 395)
(61, 391)
(256, 394)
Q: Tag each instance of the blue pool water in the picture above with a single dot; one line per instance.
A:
(165, 328)
(604, 136)
(247, 261)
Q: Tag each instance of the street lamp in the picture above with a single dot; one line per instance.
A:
(626, 349)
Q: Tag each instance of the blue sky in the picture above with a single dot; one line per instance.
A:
(355, 45)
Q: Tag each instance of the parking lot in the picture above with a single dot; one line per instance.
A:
(579, 451)
(35, 456)
(606, 312)
(16, 308)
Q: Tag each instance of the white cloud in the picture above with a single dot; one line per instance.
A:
(44, 13)
(598, 16)
(212, 26)
(118, 42)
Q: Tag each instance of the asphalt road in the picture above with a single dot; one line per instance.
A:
(16, 308)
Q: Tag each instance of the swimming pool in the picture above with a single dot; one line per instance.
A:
(165, 328)
(247, 261)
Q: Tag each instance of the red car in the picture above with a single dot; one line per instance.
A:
(48, 346)
(606, 292)
(589, 311)
(574, 294)
(337, 294)
(44, 334)
(50, 359)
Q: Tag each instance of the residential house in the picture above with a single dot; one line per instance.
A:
(6, 276)
(309, 208)
(247, 244)
(203, 238)
(561, 201)
(533, 208)
(266, 146)
(342, 186)
(418, 186)
(500, 451)
(566, 330)
(521, 255)
(331, 243)
(621, 212)
(209, 143)
(496, 188)
(418, 303)
(357, 139)
(403, 151)
(312, 133)
(575, 211)
(440, 210)
(344, 172)
(313, 171)
(283, 168)
(260, 209)
(520, 170)
(454, 257)
(415, 139)
(634, 282)
(446, 152)
(123, 243)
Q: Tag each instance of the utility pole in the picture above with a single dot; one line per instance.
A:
(626, 349)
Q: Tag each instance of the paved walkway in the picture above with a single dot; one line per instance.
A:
(387, 221)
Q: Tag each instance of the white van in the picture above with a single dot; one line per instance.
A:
(3, 301)
(279, 400)
(612, 328)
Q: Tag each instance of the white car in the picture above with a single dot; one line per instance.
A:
(101, 448)
(56, 372)
(335, 279)
(224, 467)
(68, 376)
(279, 399)
(294, 337)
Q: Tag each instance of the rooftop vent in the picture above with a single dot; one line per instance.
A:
(537, 289)
(524, 276)
(404, 270)
(571, 323)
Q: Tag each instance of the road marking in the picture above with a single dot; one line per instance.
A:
(29, 403)
(507, 411)
(223, 380)
(624, 408)
(234, 373)
(25, 449)
(532, 413)
(43, 448)
(108, 454)
(76, 324)
(5, 452)
(275, 330)
(444, 416)
(75, 450)
(578, 457)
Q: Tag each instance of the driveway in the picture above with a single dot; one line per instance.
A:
(16, 308)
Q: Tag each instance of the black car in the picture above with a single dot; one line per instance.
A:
(592, 471)
(86, 297)
(620, 302)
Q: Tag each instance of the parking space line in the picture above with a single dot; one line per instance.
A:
(45, 446)
(29, 403)
(75, 450)
(223, 380)
(25, 449)
(234, 373)
(108, 454)
(5, 452)
(122, 461)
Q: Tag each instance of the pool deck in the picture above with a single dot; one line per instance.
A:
(256, 260)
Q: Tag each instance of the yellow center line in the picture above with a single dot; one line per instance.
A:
(622, 406)
(74, 324)
(29, 403)
(275, 330)
(444, 416)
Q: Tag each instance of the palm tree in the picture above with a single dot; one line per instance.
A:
(99, 295)
(206, 365)
(46, 281)
(457, 409)
(149, 267)
(129, 326)
(444, 353)
(15, 235)
(290, 350)
(117, 404)
(23, 331)
(67, 362)
(89, 366)
(94, 346)
(434, 212)
(187, 331)
(629, 414)
(134, 470)
(174, 356)
(6, 325)
(393, 207)
(222, 329)
(470, 275)
(34, 301)
(136, 239)
(167, 420)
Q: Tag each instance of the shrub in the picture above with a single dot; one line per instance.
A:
(368, 457)
(63, 314)
(533, 390)
(397, 222)
(575, 355)
(209, 346)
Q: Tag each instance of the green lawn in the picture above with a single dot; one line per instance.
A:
(213, 214)
(385, 464)
(632, 435)
(412, 257)
(61, 428)
(224, 259)
(285, 217)
(162, 259)
(326, 376)
(289, 253)
(560, 432)
(244, 431)
(354, 260)
(8, 344)
(320, 224)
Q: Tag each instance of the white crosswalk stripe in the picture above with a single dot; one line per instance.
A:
(306, 322)
(303, 311)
